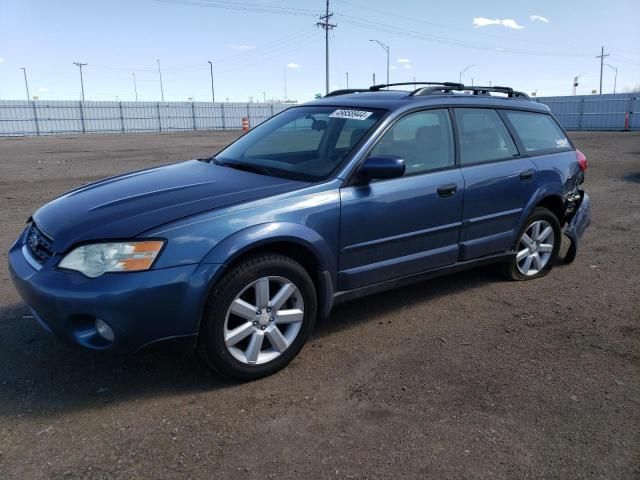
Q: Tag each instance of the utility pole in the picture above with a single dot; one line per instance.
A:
(324, 24)
(135, 87)
(601, 57)
(386, 49)
(80, 65)
(347, 79)
(160, 74)
(615, 79)
(213, 95)
(26, 84)
(285, 84)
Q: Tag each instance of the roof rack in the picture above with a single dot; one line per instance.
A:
(375, 88)
(476, 89)
(346, 91)
(434, 88)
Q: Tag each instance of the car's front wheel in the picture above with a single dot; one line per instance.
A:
(258, 317)
(537, 246)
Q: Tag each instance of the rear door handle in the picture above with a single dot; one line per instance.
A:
(527, 175)
(447, 190)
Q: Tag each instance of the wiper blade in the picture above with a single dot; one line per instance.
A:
(247, 167)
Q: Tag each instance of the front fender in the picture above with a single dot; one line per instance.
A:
(243, 241)
(227, 250)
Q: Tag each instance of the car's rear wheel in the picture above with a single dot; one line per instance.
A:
(258, 317)
(537, 246)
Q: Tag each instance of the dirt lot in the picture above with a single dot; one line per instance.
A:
(466, 376)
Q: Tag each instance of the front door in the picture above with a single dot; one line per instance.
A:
(403, 226)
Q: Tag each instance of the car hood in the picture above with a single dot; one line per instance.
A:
(124, 206)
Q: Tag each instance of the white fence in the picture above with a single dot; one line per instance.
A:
(41, 117)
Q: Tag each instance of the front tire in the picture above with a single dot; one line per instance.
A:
(258, 317)
(537, 246)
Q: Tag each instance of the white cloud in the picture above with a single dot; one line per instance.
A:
(406, 65)
(505, 22)
(242, 48)
(1, 59)
(538, 18)
(293, 65)
(404, 60)
(393, 67)
(43, 89)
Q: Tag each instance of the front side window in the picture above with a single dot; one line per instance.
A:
(302, 143)
(537, 131)
(424, 140)
(483, 136)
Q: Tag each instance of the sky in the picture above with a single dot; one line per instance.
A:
(533, 46)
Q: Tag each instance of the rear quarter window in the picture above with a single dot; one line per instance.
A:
(538, 132)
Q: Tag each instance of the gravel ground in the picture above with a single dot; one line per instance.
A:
(465, 376)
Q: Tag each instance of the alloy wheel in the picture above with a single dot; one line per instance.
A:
(263, 320)
(535, 248)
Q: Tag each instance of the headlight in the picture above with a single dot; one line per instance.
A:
(95, 259)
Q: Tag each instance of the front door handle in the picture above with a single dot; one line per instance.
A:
(447, 190)
(526, 175)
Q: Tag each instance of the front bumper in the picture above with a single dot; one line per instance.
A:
(141, 307)
(576, 227)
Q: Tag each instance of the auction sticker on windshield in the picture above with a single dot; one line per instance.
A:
(351, 114)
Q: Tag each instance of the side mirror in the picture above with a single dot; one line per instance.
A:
(383, 166)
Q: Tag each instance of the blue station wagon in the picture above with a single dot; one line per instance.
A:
(238, 254)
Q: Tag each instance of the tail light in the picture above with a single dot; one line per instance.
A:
(582, 160)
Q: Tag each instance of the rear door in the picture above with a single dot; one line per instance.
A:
(498, 182)
(402, 226)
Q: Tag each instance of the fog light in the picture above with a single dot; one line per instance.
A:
(104, 330)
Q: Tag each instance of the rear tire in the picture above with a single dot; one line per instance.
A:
(537, 247)
(257, 317)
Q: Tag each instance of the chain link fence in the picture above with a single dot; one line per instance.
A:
(39, 117)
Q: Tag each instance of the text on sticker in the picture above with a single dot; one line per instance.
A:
(351, 114)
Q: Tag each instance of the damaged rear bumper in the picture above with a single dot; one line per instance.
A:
(576, 227)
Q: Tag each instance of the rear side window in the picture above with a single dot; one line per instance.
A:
(424, 140)
(537, 131)
(483, 136)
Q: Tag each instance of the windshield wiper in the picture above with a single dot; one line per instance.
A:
(246, 167)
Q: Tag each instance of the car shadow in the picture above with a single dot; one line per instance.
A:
(40, 376)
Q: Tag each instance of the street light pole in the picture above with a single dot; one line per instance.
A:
(347, 79)
(615, 78)
(386, 49)
(160, 75)
(575, 83)
(213, 95)
(462, 72)
(26, 84)
(285, 84)
(135, 87)
(80, 65)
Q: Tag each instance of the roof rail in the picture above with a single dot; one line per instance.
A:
(476, 89)
(375, 88)
(346, 91)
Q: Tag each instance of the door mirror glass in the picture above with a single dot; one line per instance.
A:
(383, 166)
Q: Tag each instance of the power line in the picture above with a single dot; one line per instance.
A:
(244, 7)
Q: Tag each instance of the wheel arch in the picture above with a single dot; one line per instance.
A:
(298, 242)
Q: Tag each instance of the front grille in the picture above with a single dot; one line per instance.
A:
(39, 245)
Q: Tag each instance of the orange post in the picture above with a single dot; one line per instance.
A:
(245, 124)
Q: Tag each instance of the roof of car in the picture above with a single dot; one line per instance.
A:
(403, 99)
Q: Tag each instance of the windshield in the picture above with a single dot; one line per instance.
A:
(302, 143)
